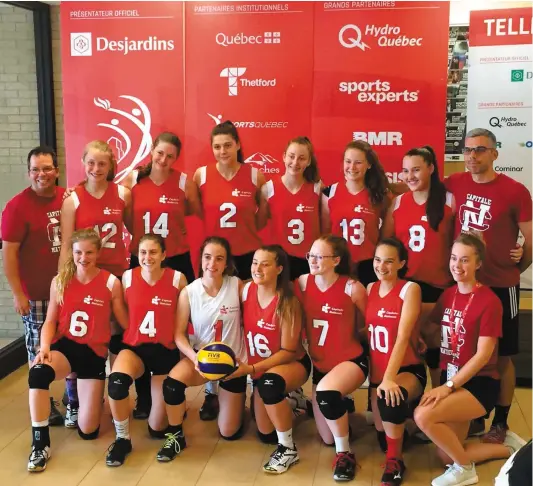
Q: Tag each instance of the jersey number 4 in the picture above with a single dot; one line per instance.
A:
(147, 326)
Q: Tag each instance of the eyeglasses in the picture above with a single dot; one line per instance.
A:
(478, 150)
(310, 256)
(46, 170)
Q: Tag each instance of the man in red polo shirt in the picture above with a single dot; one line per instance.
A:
(30, 248)
(496, 207)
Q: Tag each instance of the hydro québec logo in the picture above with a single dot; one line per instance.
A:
(377, 92)
(81, 44)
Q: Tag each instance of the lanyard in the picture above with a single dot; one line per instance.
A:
(454, 327)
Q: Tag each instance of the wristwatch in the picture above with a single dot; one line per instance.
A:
(450, 384)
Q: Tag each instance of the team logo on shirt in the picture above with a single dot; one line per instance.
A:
(159, 301)
(475, 213)
(446, 343)
(266, 325)
(109, 211)
(92, 301)
(386, 314)
(224, 310)
(53, 230)
(327, 309)
(302, 208)
(168, 200)
(239, 193)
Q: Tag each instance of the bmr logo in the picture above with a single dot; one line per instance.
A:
(379, 138)
(234, 73)
(81, 44)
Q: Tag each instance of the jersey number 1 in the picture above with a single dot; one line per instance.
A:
(218, 330)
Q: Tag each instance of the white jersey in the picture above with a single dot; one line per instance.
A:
(217, 318)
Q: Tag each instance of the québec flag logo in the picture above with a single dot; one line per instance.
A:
(81, 44)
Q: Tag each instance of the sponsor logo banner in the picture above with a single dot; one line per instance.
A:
(380, 76)
(502, 27)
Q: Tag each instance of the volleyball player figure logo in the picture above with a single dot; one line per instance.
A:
(129, 152)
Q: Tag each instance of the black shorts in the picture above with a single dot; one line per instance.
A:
(430, 294)
(83, 360)
(509, 297)
(157, 359)
(115, 344)
(237, 385)
(298, 266)
(361, 361)
(181, 263)
(485, 389)
(419, 370)
(365, 272)
(305, 361)
(243, 263)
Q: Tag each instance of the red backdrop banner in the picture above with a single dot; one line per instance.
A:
(251, 64)
(379, 76)
(500, 27)
(122, 66)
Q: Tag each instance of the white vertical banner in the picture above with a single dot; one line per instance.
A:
(500, 85)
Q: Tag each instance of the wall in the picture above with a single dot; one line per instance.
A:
(19, 126)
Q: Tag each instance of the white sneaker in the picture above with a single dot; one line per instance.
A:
(513, 441)
(38, 459)
(71, 417)
(281, 460)
(299, 402)
(457, 475)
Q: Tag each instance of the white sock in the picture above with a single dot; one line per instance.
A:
(285, 438)
(342, 444)
(43, 423)
(122, 428)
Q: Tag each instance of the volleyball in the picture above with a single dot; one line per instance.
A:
(216, 361)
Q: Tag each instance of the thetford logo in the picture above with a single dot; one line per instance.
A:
(350, 36)
(242, 39)
(379, 138)
(377, 92)
(81, 44)
(236, 80)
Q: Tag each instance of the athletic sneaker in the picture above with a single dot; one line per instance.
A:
(210, 408)
(496, 434)
(300, 403)
(71, 418)
(55, 415)
(281, 460)
(513, 441)
(117, 452)
(477, 427)
(457, 475)
(173, 445)
(38, 459)
(344, 466)
(393, 474)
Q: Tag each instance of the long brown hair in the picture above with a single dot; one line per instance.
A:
(230, 269)
(104, 147)
(68, 270)
(311, 171)
(165, 137)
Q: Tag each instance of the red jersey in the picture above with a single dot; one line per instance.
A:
(383, 320)
(356, 219)
(106, 216)
(262, 332)
(494, 208)
(152, 308)
(295, 217)
(33, 221)
(331, 326)
(85, 314)
(428, 250)
(230, 207)
(160, 210)
(483, 318)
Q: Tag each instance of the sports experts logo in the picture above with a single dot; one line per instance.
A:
(242, 39)
(236, 80)
(350, 36)
(377, 92)
(81, 44)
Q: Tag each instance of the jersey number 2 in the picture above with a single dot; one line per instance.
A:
(225, 219)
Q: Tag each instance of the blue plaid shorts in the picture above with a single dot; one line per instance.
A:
(33, 323)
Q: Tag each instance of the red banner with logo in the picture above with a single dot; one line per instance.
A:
(506, 27)
(379, 76)
(251, 64)
(122, 65)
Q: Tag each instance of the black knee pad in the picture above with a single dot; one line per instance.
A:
(382, 440)
(394, 415)
(237, 435)
(331, 404)
(40, 377)
(433, 358)
(173, 391)
(118, 386)
(271, 388)
(271, 438)
(90, 436)
(156, 434)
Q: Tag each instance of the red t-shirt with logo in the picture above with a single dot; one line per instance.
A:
(356, 219)
(230, 207)
(295, 217)
(383, 320)
(428, 250)
(160, 209)
(33, 221)
(85, 314)
(493, 208)
(483, 318)
(152, 308)
(262, 332)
